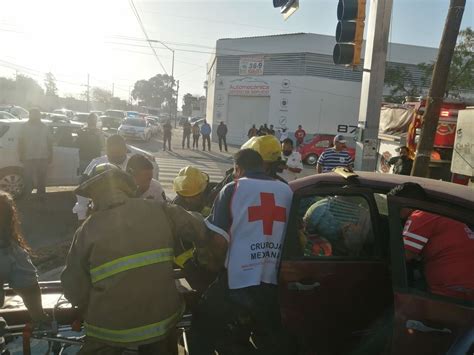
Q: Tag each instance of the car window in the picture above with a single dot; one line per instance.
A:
(135, 122)
(3, 129)
(115, 114)
(335, 225)
(322, 144)
(381, 201)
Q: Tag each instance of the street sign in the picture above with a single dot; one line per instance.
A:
(287, 7)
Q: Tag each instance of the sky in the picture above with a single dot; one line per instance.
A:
(102, 39)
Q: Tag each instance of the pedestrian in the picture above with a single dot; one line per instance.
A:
(196, 134)
(221, 135)
(294, 164)
(284, 134)
(271, 130)
(141, 169)
(167, 133)
(299, 135)
(118, 270)
(206, 135)
(35, 150)
(245, 284)
(262, 131)
(16, 267)
(186, 133)
(403, 163)
(89, 141)
(253, 132)
(335, 157)
(116, 153)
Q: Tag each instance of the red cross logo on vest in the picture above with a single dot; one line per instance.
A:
(267, 212)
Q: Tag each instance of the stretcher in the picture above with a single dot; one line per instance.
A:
(65, 331)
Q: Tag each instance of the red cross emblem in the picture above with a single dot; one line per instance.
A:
(267, 212)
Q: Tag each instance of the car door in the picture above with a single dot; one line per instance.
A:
(424, 323)
(329, 303)
(64, 168)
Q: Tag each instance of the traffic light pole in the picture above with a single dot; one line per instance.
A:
(373, 76)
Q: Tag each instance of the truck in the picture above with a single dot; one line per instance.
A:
(462, 162)
(400, 125)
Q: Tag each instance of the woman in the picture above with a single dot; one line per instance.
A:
(196, 135)
(16, 268)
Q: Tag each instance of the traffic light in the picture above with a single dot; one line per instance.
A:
(349, 32)
(287, 7)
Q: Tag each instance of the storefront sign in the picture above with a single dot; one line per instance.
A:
(251, 66)
(248, 87)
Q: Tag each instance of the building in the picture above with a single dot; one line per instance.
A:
(286, 80)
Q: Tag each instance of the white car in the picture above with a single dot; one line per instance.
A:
(135, 128)
(7, 116)
(63, 111)
(155, 125)
(64, 169)
(81, 117)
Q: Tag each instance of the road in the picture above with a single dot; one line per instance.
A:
(213, 163)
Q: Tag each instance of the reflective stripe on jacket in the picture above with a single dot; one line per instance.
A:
(119, 270)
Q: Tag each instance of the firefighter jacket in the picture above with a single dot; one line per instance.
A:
(119, 270)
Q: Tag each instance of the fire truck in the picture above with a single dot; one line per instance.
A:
(400, 125)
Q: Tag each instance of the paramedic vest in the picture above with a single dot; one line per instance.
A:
(260, 211)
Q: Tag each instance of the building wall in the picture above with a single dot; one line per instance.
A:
(321, 105)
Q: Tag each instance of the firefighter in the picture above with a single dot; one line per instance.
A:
(119, 270)
(191, 187)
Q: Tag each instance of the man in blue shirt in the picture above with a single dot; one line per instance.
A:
(335, 157)
(206, 135)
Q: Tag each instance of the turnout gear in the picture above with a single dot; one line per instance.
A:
(190, 181)
(267, 146)
(119, 270)
(106, 176)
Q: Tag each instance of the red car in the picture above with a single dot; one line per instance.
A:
(311, 150)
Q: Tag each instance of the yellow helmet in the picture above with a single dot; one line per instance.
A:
(267, 146)
(190, 181)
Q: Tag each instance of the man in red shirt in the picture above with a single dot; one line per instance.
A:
(299, 135)
(445, 246)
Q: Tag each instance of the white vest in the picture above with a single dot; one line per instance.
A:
(260, 210)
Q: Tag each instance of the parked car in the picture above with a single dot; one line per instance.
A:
(81, 117)
(16, 111)
(133, 114)
(57, 117)
(98, 113)
(154, 124)
(113, 118)
(135, 128)
(64, 169)
(7, 116)
(193, 120)
(333, 302)
(182, 120)
(311, 150)
(63, 111)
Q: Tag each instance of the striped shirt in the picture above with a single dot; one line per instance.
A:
(331, 159)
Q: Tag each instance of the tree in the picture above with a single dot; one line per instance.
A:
(401, 83)
(50, 84)
(187, 106)
(155, 91)
(101, 95)
(461, 72)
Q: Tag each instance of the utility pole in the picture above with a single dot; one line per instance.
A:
(373, 78)
(113, 87)
(176, 103)
(88, 93)
(438, 87)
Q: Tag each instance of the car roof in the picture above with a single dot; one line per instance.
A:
(447, 191)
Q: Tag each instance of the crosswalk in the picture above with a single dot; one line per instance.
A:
(169, 168)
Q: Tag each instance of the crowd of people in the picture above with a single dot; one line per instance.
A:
(118, 271)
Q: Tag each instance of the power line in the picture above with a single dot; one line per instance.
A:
(137, 15)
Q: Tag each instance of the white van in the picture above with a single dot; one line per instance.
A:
(64, 169)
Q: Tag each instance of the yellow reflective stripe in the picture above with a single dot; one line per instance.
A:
(182, 258)
(131, 262)
(133, 335)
